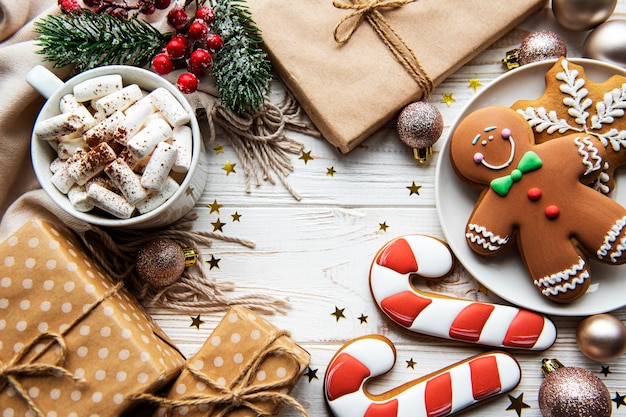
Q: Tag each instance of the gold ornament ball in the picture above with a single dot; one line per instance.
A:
(580, 15)
(601, 337)
(607, 43)
(574, 392)
(160, 262)
(539, 46)
(419, 125)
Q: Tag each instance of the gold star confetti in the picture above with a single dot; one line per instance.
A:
(338, 313)
(214, 262)
(606, 370)
(448, 99)
(331, 171)
(236, 216)
(311, 374)
(383, 226)
(618, 399)
(362, 319)
(474, 83)
(215, 207)
(217, 225)
(414, 189)
(218, 149)
(517, 404)
(229, 167)
(306, 157)
(196, 322)
(411, 363)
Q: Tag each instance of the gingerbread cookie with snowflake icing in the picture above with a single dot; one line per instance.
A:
(572, 103)
(532, 194)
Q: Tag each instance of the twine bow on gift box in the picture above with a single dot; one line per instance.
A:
(15, 369)
(240, 393)
(369, 10)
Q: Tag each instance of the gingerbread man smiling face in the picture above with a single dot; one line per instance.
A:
(532, 195)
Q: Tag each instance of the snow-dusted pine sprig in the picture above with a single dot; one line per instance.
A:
(241, 68)
(87, 40)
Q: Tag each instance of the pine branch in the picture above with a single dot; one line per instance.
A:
(89, 40)
(241, 68)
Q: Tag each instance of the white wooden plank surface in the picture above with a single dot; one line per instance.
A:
(316, 252)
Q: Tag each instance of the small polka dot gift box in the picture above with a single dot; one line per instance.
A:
(246, 368)
(72, 342)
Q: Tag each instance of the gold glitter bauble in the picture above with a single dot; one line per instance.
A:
(160, 262)
(539, 46)
(420, 125)
(572, 392)
(601, 337)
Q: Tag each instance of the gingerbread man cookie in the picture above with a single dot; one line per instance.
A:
(443, 393)
(533, 195)
(417, 311)
(572, 103)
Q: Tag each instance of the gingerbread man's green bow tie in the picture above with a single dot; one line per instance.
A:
(529, 162)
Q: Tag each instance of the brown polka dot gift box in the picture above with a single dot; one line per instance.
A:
(354, 64)
(72, 342)
(246, 368)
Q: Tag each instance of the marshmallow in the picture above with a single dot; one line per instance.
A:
(136, 116)
(57, 126)
(107, 130)
(126, 180)
(118, 100)
(97, 87)
(159, 166)
(79, 198)
(181, 140)
(91, 163)
(61, 178)
(157, 198)
(68, 147)
(109, 201)
(69, 104)
(169, 106)
(56, 164)
(144, 141)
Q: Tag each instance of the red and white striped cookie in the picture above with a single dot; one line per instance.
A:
(422, 312)
(442, 393)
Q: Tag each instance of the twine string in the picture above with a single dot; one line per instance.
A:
(369, 10)
(239, 393)
(14, 369)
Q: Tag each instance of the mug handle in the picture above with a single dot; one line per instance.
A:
(43, 80)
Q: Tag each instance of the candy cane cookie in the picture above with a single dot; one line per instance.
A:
(441, 393)
(391, 274)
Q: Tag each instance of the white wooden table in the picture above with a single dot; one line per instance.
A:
(317, 252)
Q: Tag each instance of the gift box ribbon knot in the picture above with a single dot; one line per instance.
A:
(240, 393)
(369, 10)
(15, 369)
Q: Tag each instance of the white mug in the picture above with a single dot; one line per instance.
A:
(42, 154)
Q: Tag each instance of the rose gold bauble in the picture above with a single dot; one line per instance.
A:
(160, 262)
(601, 337)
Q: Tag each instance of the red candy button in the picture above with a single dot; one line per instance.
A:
(534, 194)
(552, 212)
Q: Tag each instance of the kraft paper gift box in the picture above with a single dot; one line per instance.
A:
(245, 357)
(72, 342)
(351, 90)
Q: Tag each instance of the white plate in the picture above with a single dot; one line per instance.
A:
(505, 275)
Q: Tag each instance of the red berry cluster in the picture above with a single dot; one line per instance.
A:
(190, 47)
(115, 7)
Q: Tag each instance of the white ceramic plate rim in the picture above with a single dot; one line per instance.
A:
(506, 275)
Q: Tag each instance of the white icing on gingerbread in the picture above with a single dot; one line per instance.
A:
(441, 393)
(564, 281)
(591, 159)
(485, 238)
(447, 317)
(610, 239)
